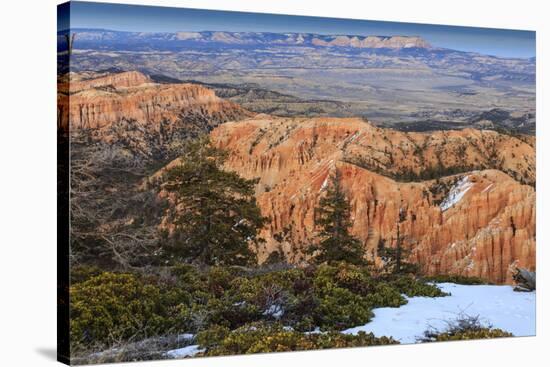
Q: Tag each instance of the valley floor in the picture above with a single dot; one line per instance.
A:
(497, 305)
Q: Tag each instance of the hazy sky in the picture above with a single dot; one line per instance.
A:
(499, 42)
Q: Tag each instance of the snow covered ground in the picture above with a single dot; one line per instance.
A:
(188, 351)
(497, 305)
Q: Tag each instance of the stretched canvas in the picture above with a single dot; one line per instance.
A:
(235, 183)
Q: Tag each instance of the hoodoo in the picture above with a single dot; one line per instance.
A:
(469, 213)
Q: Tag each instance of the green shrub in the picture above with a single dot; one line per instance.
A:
(339, 340)
(212, 336)
(463, 327)
(458, 279)
(384, 291)
(219, 280)
(484, 333)
(352, 277)
(264, 338)
(82, 273)
(385, 295)
(416, 288)
(231, 313)
(339, 308)
(111, 307)
(187, 277)
(299, 311)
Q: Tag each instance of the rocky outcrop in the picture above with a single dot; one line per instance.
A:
(475, 218)
(136, 121)
(114, 81)
(131, 96)
(394, 42)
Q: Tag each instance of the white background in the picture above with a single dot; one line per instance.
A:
(28, 182)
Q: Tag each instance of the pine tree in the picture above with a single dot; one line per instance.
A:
(333, 218)
(395, 258)
(216, 215)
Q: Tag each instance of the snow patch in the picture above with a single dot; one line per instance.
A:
(497, 305)
(457, 193)
(238, 223)
(186, 336)
(487, 188)
(275, 311)
(189, 351)
(353, 137)
(324, 185)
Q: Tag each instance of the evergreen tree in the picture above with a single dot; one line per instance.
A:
(395, 257)
(333, 217)
(216, 215)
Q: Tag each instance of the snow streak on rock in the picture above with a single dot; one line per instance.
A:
(457, 193)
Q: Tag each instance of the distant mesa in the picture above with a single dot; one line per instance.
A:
(397, 42)
(188, 35)
(256, 38)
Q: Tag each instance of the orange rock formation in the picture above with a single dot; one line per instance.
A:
(480, 222)
(468, 195)
(99, 102)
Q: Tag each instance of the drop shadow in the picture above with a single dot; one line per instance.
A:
(49, 353)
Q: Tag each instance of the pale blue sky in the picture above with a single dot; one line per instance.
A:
(498, 42)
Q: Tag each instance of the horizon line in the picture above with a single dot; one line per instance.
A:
(309, 33)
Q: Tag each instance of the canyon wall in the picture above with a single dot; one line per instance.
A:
(479, 222)
(99, 102)
(467, 196)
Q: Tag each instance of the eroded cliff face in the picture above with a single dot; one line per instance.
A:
(473, 220)
(143, 120)
(100, 102)
(467, 195)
